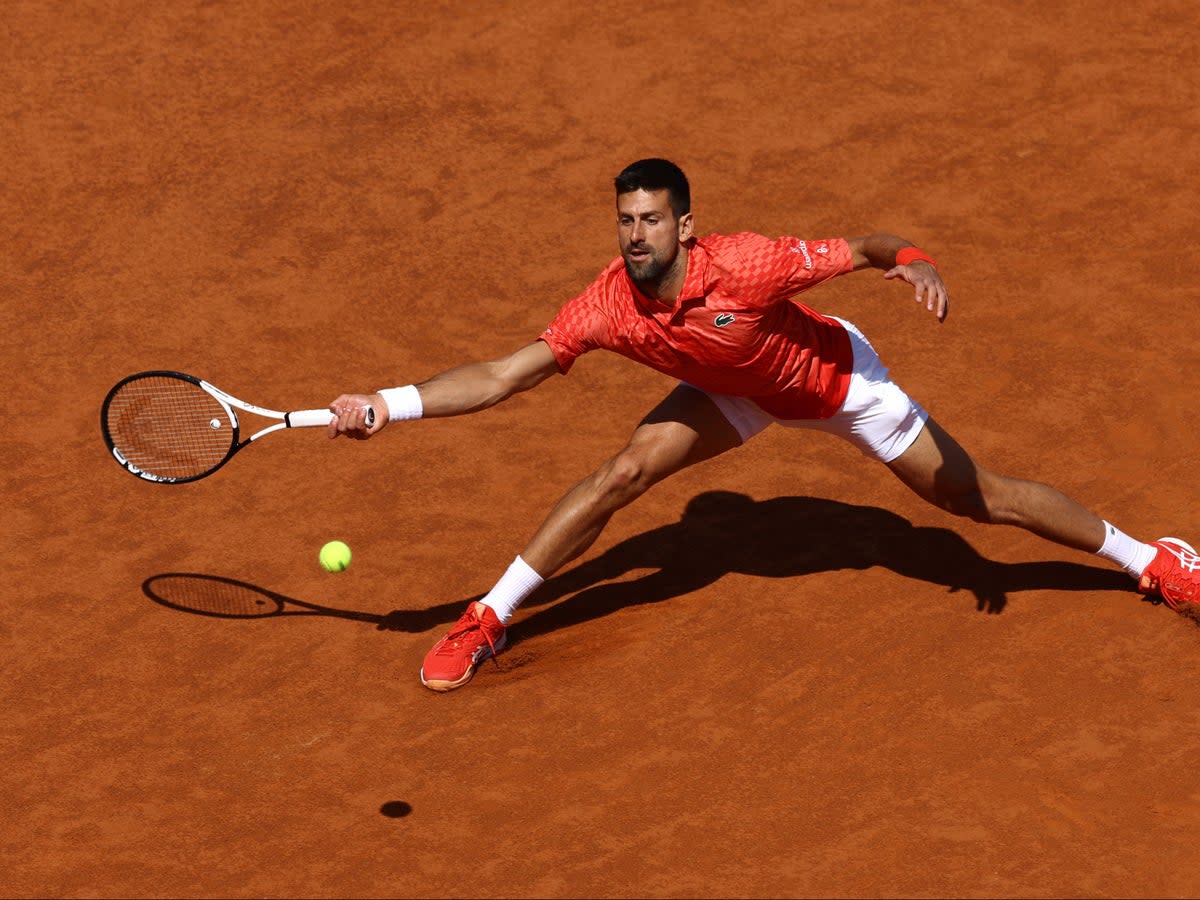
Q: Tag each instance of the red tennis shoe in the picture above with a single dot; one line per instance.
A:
(477, 636)
(1173, 574)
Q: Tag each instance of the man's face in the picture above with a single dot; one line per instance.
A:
(649, 234)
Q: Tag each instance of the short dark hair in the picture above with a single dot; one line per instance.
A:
(657, 175)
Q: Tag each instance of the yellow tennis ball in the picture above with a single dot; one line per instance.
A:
(335, 557)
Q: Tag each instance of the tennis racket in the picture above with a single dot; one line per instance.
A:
(171, 428)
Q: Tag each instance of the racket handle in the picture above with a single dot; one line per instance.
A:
(309, 418)
(319, 418)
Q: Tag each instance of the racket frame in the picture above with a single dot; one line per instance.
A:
(302, 418)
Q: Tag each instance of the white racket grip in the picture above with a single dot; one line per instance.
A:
(309, 418)
(319, 418)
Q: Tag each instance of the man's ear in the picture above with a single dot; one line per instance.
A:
(686, 227)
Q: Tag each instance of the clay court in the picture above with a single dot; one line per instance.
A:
(778, 674)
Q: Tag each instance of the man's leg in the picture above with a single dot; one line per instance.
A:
(684, 429)
(939, 470)
(943, 473)
(879, 418)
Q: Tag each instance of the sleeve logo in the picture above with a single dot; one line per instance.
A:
(802, 247)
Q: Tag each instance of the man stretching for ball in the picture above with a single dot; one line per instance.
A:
(718, 313)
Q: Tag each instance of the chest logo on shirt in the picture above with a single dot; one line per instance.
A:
(724, 319)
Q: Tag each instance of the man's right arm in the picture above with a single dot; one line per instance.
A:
(476, 386)
(464, 389)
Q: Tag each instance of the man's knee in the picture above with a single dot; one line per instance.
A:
(623, 478)
(990, 499)
(967, 502)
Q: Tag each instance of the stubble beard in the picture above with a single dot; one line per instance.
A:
(650, 271)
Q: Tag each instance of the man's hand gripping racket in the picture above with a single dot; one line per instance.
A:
(171, 428)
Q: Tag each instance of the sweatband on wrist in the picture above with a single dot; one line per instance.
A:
(402, 402)
(912, 254)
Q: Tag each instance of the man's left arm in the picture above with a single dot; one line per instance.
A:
(900, 259)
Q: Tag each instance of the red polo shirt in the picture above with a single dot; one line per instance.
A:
(734, 328)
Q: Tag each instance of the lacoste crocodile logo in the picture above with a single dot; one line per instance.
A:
(724, 319)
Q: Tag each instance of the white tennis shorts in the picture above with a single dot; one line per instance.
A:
(876, 416)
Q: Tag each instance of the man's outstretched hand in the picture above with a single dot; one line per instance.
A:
(930, 289)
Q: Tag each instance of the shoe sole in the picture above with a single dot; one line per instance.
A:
(443, 686)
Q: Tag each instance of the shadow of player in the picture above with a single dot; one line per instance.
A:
(723, 532)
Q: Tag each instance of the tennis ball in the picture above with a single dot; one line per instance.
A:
(335, 557)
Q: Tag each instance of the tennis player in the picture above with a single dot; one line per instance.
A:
(719, 313)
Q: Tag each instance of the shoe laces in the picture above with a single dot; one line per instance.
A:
(1177, 593)
(1179, 583)
(462, 632)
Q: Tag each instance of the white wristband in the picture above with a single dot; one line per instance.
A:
(402, 402)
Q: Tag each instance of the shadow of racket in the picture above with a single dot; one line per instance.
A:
(228, 598)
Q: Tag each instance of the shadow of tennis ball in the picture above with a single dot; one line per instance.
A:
(396, 809)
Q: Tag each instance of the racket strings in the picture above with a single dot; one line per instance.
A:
(169, 427)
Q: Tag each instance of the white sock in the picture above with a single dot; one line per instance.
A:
(1132, 556)
(511, 590)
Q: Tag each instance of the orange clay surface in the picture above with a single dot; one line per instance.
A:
(777, 674)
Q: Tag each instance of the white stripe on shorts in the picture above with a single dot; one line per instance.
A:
(877, 416)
